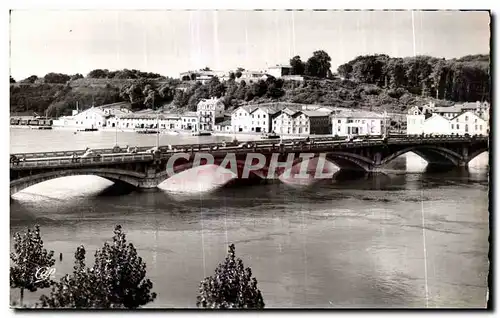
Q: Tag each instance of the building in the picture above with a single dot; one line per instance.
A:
(469, 123)
(467, 118)
(312, 122)
(481, 109)
(241, 118)
(279, 70)
(261, 118)
(93, 117)
(209, 111)
(201, 75)
(224, 126)
(346, 122)
(189, 121)
(283, 121)
(301, 122)
(248, 76)
(436, 124)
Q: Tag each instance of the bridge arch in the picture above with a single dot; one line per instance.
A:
(350, 161)
(431, 154)
(114, 175)
(187, 164)
(476, 153)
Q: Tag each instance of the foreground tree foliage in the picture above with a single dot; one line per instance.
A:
(232, 286)
(28, 260)
(117, 279)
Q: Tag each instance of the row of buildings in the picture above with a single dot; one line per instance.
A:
(460, 119)
(285, 118)
(281, 118)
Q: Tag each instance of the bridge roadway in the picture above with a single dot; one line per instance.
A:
(146, 168)
(145, 153)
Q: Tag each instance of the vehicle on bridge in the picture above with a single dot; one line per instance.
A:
(131, 149)
(271, 135)
(89, 153)
(17, 159)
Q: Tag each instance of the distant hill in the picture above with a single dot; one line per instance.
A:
(376, 82)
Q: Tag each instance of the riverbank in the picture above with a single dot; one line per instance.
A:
(184, 133)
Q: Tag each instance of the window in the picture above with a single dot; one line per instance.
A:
(452, 126)
(475, 120)
(340, 121)
(458, 126)
(362, 121)
(475, 127)
(264, 116)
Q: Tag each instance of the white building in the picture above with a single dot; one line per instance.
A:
(469, 123)
(301, 122)
(436, 124)
(279, 70)
(262, 119)
(189, 121)
(209, 111)
(241, 118)
(356, 122)
(283, 121)
(93, 117)
(468, 118)
(224, 126)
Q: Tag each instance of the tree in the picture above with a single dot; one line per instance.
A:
(318, 64)
(98, 73)
(232, 76)
(206, 69)
(76, 76)
(298, 67)
(215, 87)
(275, 87)
(232, 286)
(12, 80)
(30, 79)
(238, 74)
(345, 70)
(57, 78)
(180, 98)
(117, 279)
(30, 260)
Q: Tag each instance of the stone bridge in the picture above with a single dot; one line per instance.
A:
(147, 169)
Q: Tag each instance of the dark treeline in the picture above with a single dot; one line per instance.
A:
(122, 74)
(460, 80)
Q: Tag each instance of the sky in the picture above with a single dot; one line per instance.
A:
(170, 42)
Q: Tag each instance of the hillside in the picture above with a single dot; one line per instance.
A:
(375, 82)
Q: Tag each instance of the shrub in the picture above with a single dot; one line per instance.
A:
(117, 279)
(232, 286)
(29, 258)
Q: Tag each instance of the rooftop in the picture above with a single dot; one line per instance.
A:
(343, 113)
(314, 113)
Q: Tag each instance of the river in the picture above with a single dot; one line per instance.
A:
(347, 242)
